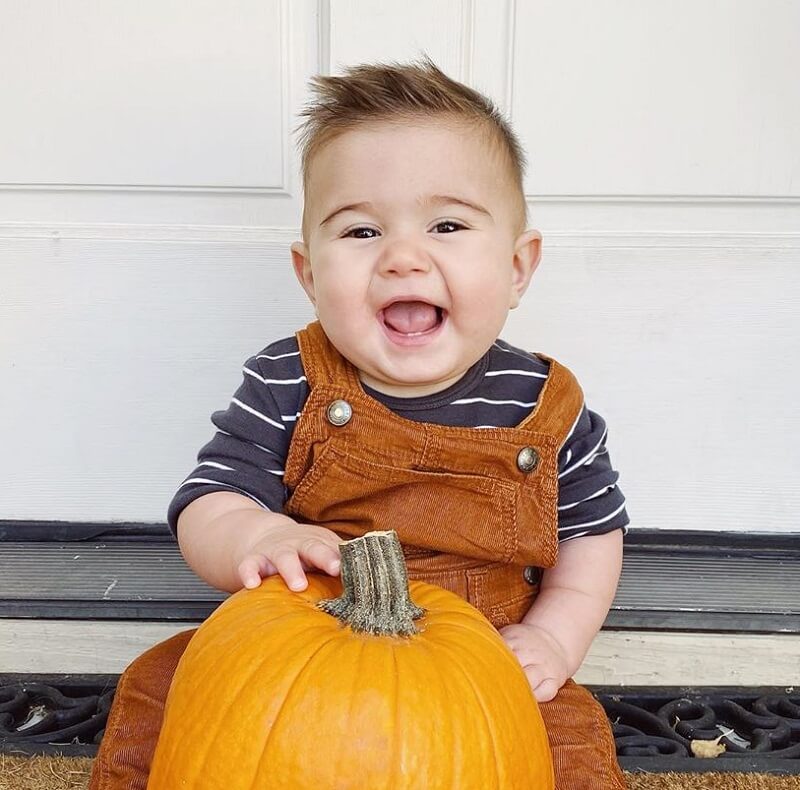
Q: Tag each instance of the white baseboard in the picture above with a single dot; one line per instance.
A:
(660, 658)
(630, 658)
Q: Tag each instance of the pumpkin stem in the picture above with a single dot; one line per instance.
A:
(375, 598)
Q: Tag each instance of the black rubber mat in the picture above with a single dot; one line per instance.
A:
(654, 728)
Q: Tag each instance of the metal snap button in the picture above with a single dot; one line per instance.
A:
(532, 574)
(527, 459)
(339, 413)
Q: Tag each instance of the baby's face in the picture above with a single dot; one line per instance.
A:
(412, 258)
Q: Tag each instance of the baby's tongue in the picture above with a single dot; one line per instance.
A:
(410, 317)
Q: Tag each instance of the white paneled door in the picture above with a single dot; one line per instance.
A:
(149, 193)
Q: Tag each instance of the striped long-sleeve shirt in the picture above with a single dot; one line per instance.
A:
(248, 452)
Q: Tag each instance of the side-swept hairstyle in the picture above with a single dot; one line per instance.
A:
(372, 92)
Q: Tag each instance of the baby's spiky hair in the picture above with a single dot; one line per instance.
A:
(373, 92)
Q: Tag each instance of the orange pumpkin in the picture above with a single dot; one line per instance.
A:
(275, 692)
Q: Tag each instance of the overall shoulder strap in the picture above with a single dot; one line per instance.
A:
(322, 363)
(559, 405)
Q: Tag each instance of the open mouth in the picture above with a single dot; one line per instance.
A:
(411, 321)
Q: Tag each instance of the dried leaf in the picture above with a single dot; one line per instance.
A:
(707, 748)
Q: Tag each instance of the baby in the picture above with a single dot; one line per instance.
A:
(401, 409)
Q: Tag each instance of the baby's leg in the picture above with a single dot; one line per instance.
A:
(584, 756)
(129, 742)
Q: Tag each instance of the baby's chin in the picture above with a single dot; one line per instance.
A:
(410, 386)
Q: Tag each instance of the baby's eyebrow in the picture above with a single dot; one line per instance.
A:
(433, 200)
(450, 199)
(365, 204)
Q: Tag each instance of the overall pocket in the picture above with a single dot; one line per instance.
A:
(468, 515)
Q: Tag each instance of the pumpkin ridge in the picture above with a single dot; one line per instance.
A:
(222, 711)
(396, 767)
(480, 658)
(213, 639)
(487, 728)
(222, 622)
(455, 767)
(469, 624)
(409, 677)
(356, 678)
(286, 697)
(234, 617)
(488, 647)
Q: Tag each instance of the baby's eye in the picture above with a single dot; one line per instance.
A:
(358, 233)
(450, 226)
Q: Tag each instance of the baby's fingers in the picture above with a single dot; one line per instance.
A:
(252, 568)
(542, 683)
(546, 690)
(318, 554)
(287, 562)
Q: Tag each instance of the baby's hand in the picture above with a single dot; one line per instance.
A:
(541, 656)
(290, 550)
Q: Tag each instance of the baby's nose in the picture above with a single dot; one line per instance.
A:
(404, 258)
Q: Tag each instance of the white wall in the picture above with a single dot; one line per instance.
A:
(148, 195)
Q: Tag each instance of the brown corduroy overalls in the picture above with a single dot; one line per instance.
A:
(476, 514)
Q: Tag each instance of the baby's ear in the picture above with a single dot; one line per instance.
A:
(301, 262)
(527, 254)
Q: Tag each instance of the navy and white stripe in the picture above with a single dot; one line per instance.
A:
(249, 450)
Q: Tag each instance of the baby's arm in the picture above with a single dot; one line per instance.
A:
(230, 541)
(573, 601)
